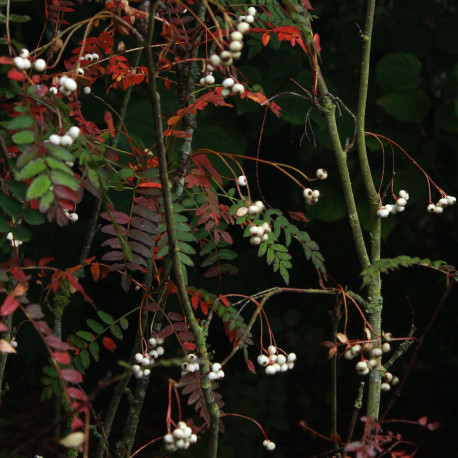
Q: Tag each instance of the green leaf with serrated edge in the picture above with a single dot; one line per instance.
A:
(46, 201)
(46, 395)
(285, 274)
(184, 273)
(286, 264)
(51, 371)
(79, 365)
(23, 137)
(185, 259)
(34, 217)
(105, 317)
(10, 206)
(39, 186)
(21, 233)
(33, 168)
(85, 358)
(180, 218)
(227, 254)
(281, 248)
(58, 165)
(185, 236)
(78, 342)
(270, 255)
(4, 226)
(95, 326)
(276, 264)
(126, 173)
(262, 249)
(186, 248)
(17, 188)
(94, 349)
(283, 256)
(20, 122)
(116, 331)
(85, 335)
(207, 248)
(162, 251)
(209, 260)
(19, 18)
(287, 236)
(64, 179)
(47, 381)
(124, 323)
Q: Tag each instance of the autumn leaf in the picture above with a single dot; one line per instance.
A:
(71, 375)
(6, 347)
(109, 344)
(9, 305)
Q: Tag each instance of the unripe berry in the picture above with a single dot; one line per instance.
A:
(263, 360)
(385, 387)
(243, 27)
(39, 65)
(238, 88)
(236, 36)
(321, 174)
(215, 60)
(272, 349)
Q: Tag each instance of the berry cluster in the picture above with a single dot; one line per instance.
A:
(67, 139)
(22, 62)
(216, 373)
(181, 438)
(443, 202)
(321, 174)
(256, 208)
(191, 364)
(14, 243)
(260, 233)
(276, 363)
(269, 445)
(311, 195)
(66, 85)
(144, 362)
(398, 207)
(90, 57)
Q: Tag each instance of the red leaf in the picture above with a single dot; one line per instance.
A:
(434, 426)
(175, 316)
(423, 421)
(16, 75)
(61, 357)
(189, 345)
(108, 117)
(55, 342)
(71, 375)
(119, 217)
(250, 365)
(76, 393)
(181, 134)
(95, 271)
(77, 423)
(18, 274)
(109, 344)
(265, 38)
(9, 305)
(316, 38)
(165, 332)
(224, 300)
(149, 184)
(3, 327)
(195, 302)
(298, 216)
(43, 261)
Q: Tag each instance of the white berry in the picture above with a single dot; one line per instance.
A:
(251, 11)
(263, 360)
(19, 63)
(386, 347)
(272, 349)
(376, 352)
(242, 181)
(243, 27)
(53, 90)
(215, 60)
(249, 19)
(451, 200)
(138, 357)
(438, 210)
(401, 202)
(238, 88)
(54, 139)
(385, 386)
(70, 84)
(209, 79)
(281, 359)
(39, 65)
(225, 92)
(431, 208)
(255, 241)
(87, 90)
(321, 174)
(66, 140)
(236, 36)
(95, 56)
(236, 46)
(24, 53)
(270, 370)
(442, 202)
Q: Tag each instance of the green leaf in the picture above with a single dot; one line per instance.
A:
(185, 259)
(51, 371)
(23, 137)
(262, 249)
(78, 342)
(39, 186)
(58, 165)
(33, 168)
(79, 365)
(270, 255)
(19, 18)
(116, 331)
(185, 236)
(281, 248)
(398, 72)
(20, 122)
(64, 179)
(47, 381)
(105, 317)
(285, 274)
(124, 323)
(85, 335)
(409, 106)
(94, 349)
(95, 326)
(34, 217)
(227, 254)
(85, 359)
(17, 188)
(21, 233)
(186, 248)
(4, 226)
(46, 201)
(126, 173)
(59, 152)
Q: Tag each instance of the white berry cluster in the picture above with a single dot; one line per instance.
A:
(90, 57)
(276, 363)
(22, 62)
(14, 242)
(191, 364)
(67, 139)
(398, 207)
(216, 373)
(66, 85)
(311, 195)
(256, 208)
(180, 438)
(231, 87)
(321, 174)
(73, 217)
(144, 362)
(269, 445)
(443, 202)
(260, 233)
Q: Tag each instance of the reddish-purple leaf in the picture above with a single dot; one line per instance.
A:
(109, 344)
(193, 398)
(76, 393)
(143, 225)
(146, 213)
(55, 342)
(109, 229)
(189, 346)
(62, 192)
(186, 336)
(43, 328)
(165, 332)
(141, 237)
(140, 249)
(175, 316)
(3, 327)
(250, 365)
(71, 375)
(119, 217)
(434, 426)
(61, 357)
(112, 242)
(180, 326)
(34, 311)
(9, 305)
(113, 256)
